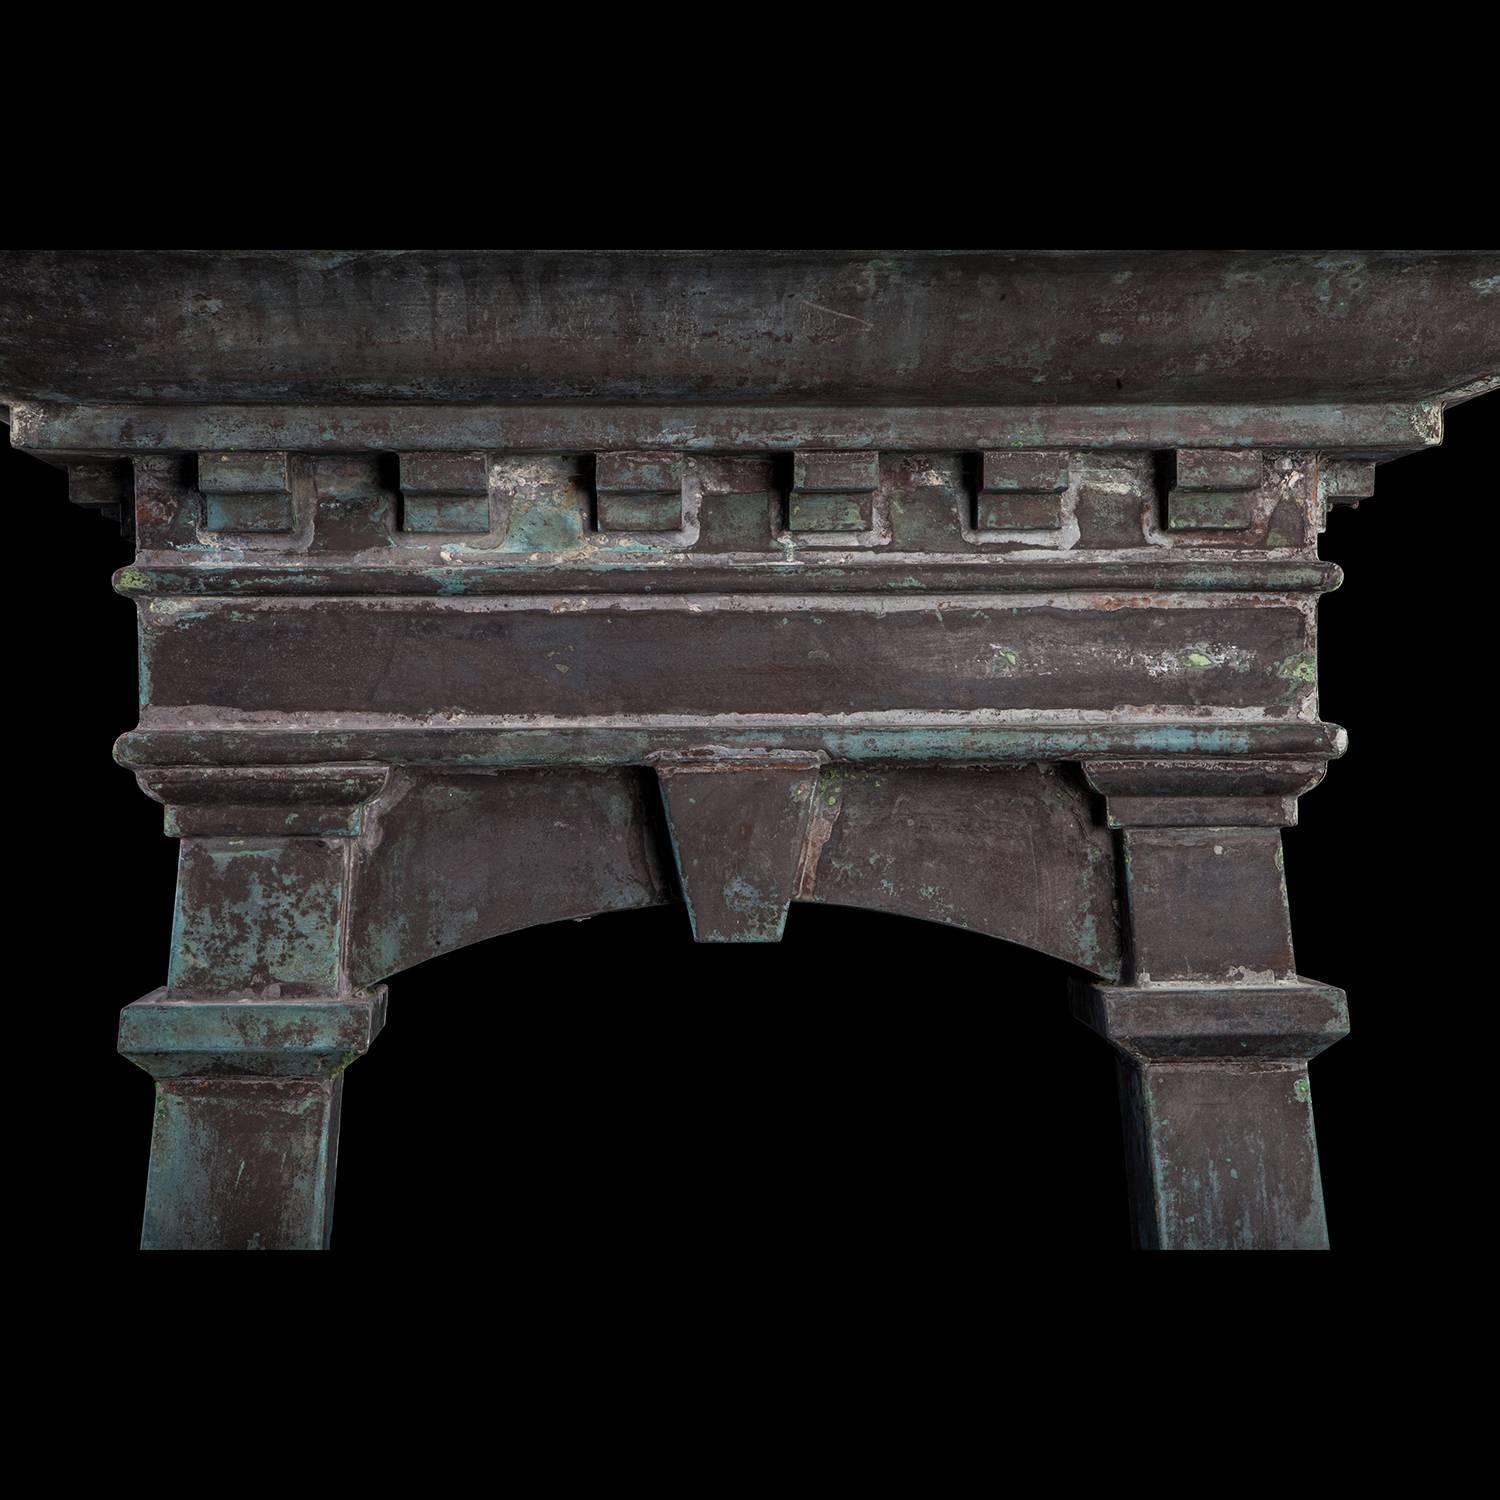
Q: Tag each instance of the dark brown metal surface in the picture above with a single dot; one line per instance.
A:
(480, 589)
(806, 326)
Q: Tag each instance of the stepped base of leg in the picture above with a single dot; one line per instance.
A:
(244, 1147)
(1218, 1109)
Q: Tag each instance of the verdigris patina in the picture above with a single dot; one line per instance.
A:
(480, 589)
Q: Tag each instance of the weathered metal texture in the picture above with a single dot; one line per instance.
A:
(1012, 852)
(638, 492)
(1207, 904)
(1020, 491)
(804, 326)
(1213, 1021)
(915, 737)
(833, 492)
(261, 1038)
(1212, 491)
(1222, 1156)
(258, 916)
(454, 857)
(286, 801)
(1188, 793)
(738, 825)
(731, 516)
(479, 589)
(1293, 1019)
(104, 488)
(1217, 1109)
(263, 876)
(65, 428)
(244, 1146)
(246, 492)
(445, 493)
(219, 663)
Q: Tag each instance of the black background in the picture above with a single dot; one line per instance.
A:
(603, 1090)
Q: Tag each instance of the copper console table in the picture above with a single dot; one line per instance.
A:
(482, 589)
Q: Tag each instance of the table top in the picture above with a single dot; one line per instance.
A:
(807, 327)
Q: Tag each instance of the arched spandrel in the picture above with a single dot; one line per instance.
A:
(452, 858)
(1013, 852)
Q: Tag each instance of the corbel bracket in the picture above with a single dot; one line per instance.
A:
(1347, 482)
(638, 492)
(1212, 489)
(106, 488)
(833, 491)
(445, 493)
(1020, 491)
(246, 492)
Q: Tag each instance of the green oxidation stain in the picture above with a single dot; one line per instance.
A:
(1086, 936)
(388, 948)
(1195, 739)
(1300, 668)
(1302, 1091)
(283, 926)
(742, 897)
(143, 667)
(543, 523)
(1002, 654)
(1204, 578)
(446, 580)
(760, 914)
(132, 580)
(1194, 659)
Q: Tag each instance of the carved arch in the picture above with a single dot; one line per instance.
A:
(450, 858)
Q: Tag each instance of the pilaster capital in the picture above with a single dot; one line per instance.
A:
(263, 801)
(1202, 793)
